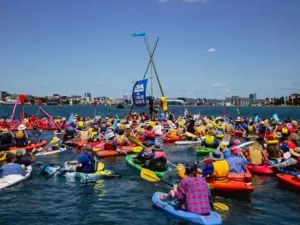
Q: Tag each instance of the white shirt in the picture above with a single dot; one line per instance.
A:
(157, 129)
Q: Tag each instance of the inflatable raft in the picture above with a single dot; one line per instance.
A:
(14, 179)
(130, 162)
(212, 219)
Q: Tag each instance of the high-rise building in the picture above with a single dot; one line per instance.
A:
(87, 95)
(252, 97)
(235, 100)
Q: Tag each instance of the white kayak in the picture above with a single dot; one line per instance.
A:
(14, 179)
(62, 149)
(188, 142)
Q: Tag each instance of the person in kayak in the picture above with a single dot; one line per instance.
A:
(255, 154)
(192, 194)
(158, 129)
(70, 132)
(10, 167)
(24, 158)
(149, 134)
(172, 133)
(85, 162)
(110, 141)
(21, 136)
(34, 135)
(6, 139)
(80, 124)
(216, 168)
(121, 138)
(220, 131)
(237, 164)
(103, 127)
(145, 155)
(94, 134)
(158, 161)
(210, 140)
(199, 129)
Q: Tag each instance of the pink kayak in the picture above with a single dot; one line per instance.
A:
(261, 169)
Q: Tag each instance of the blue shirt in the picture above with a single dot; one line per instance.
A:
(13, 168)
(208, 170)
(236, 164)
(86, 161)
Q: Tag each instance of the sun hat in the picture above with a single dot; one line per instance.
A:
(109, 135)
(21, 127)
(278, 135)
(20, 152)
(87, 148)
(216, 155)
(157, 147)
(237, 141)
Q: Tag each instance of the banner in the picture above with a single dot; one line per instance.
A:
(139, 93)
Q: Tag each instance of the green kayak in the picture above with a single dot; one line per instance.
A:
(204, 151)
(130, 161)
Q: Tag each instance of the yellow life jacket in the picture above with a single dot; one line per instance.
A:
(209, 140)
(198, 130)
(180, 130)
(228, 128)
(140, 131)
(19, 134)
(120, 139)
(284, 130)
(173, 133)
(250, 128)
(54, 142)
(80, 124)
(180, 122)
(152, 123)
(94, 136)
(221, 170)
(255, 156)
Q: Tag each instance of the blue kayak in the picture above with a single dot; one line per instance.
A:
(212, 219)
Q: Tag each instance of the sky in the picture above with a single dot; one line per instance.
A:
(207, 48)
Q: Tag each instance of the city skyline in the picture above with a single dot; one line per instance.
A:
(212, 49)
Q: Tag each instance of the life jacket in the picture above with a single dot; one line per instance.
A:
(209, 140)
(180, 130)
(80, 124)
(166, 124)
(159, 154)
(173, 133)
(255, 156)
(250, 128)
(103, 129)
(285, 131)
(149, 133)
(121, 139)
(93, 136)
(221, 170)
(228, 128)
(20, 135)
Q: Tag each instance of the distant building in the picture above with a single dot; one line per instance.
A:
(101, 100)
(235, 100)
(3, 95)
(56, 96)
(76, 97)
(88, 97)
(252, 98)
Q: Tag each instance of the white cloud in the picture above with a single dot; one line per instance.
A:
(211, 50)
(219, 84)
(228, 90)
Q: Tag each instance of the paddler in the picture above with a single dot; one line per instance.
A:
(158, 161)
(24, 158)
(192, 194)
(199, 129)
(121, 138)
(103, 127)
(158, 129)
(173, 131)
(85, 162)
(80, 124)
(34, 135)
(237, 164)
(210, 140)
(94, 135)
(70, 132)
(255, 154)
(145, 155)
(11, 167)
(220, 130)
(217, 168)
(6, 139)
(110, 141)
(21, 137)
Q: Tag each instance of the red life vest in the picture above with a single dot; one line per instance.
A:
(165, 124)
(149, 133)
(160, 154)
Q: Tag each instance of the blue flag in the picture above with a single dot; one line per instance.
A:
(71, 119)
(275, 117)
(255, 118)
(139, 93)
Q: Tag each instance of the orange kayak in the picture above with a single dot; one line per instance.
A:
(288, 180)
(173, 139)
(244, 177)
(231, 186)
(107, 153)
(30, 147)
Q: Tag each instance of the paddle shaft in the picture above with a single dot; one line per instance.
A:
(62, 167)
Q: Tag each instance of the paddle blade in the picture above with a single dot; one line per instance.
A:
(137, 149)
(22, 99)
(220, 206)
(149, 175)
(133, 139)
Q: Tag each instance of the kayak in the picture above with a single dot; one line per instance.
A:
(107, 153)
(173, 139)
(231, 185)
(130, 161)
(62, 149)
(188, 142)
(288, 180)
(204, 151)
(14, 179)
(261, 169)
(99, 174)
(244, 177)
(212, 219)
(30, 147)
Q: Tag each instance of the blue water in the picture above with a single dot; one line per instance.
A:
(128, 200)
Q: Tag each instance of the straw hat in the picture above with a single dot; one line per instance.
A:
(20, 152)
(21, 127)
(157, 147)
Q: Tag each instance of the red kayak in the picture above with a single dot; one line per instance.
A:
(173, 139)
(107, 153)
(30, 147)
(231, 186)
(260, 170)
(244, 177)
(289, 180)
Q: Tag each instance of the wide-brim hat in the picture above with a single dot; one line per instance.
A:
(87, 148)
(216, 155)
(21, 127)
(157, 147)
(278, 135)
(20, 152)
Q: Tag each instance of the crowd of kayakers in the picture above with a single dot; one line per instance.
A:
(235, 148)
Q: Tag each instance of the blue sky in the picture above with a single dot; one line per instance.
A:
(209, 48)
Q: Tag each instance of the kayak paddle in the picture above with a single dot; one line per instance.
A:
(152, 177)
